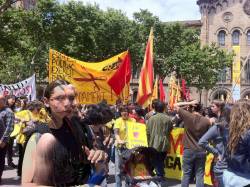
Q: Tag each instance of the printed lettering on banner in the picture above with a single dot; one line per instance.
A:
(26, 88)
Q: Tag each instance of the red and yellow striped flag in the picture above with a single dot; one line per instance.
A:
(162, 92)
(155, 92)
(147, 75)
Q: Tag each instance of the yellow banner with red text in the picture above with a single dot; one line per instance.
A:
(89, 79)
(173, 162)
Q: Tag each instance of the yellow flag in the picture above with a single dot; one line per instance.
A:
(155, 91)
(89, 79)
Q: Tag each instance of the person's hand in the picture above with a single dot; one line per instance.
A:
(95, 155)
(2, 144)
(121, 142)
(108, 142)
(220, 158)
(217, 158)
(194, 102)
(212, 120)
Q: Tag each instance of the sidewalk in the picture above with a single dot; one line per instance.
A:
(9, 175)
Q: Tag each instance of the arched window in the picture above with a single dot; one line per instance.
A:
(222, 77)
(247, 71)
(248, 37)
(236, 37)
(220, 95)
(221, 38)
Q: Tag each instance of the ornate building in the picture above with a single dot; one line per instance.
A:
(26, 4)
(227, 23)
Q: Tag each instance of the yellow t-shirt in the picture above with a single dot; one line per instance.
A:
(121, 125)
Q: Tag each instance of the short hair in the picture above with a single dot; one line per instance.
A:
(139, 111)
(10, 97)
(197, 107)
(159, 107)
(123, 109)
(34, 105)
(154, 102)
(50, 88)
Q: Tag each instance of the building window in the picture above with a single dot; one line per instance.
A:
(247, 71)
(222, 77)
(221, 38)
(220, 95)
(236, 37)
(248, 37)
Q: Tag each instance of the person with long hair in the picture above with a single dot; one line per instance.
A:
(62, 156)
(215, 141)
(238, 172)
(217, 108)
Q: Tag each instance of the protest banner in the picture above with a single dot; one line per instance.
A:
(173, 161)
(89, 78)
(136, 135)
(236, 71)
(26, 88)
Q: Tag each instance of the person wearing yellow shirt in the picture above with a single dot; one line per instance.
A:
(120, 130)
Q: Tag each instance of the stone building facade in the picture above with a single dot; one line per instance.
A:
(227, 23)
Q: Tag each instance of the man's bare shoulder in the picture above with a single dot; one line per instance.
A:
(46, 142)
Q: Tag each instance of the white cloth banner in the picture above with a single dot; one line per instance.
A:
(26, 88)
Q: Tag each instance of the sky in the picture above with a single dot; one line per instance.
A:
(166, 10)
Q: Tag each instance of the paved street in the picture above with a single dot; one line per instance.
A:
(9, 178)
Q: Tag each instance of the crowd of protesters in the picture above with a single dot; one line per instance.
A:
(63, 143)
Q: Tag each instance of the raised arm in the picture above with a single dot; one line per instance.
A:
(180, 104)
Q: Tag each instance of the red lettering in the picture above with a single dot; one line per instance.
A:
(5, 92)
(176, 143)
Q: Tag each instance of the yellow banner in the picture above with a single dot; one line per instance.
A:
(236, 74)
(136, 135)
(173, 162)
(89, 78)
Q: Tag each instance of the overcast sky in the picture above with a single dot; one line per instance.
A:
(166, 10)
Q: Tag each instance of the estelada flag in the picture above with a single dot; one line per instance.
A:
(162, 92)
(147, 75)
(122, 75)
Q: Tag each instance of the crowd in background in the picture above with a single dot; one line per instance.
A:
(63, 143)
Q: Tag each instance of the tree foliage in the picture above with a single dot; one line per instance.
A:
(88, 33)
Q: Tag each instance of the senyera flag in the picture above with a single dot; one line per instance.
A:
(145, 89)
(162, 92)
(155, 91)
(122, 75)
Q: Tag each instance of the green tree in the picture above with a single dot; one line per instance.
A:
(87, 33)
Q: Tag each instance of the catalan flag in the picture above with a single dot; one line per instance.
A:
(174, 94)
(147, 75)
(155, 92)
(162, 92)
